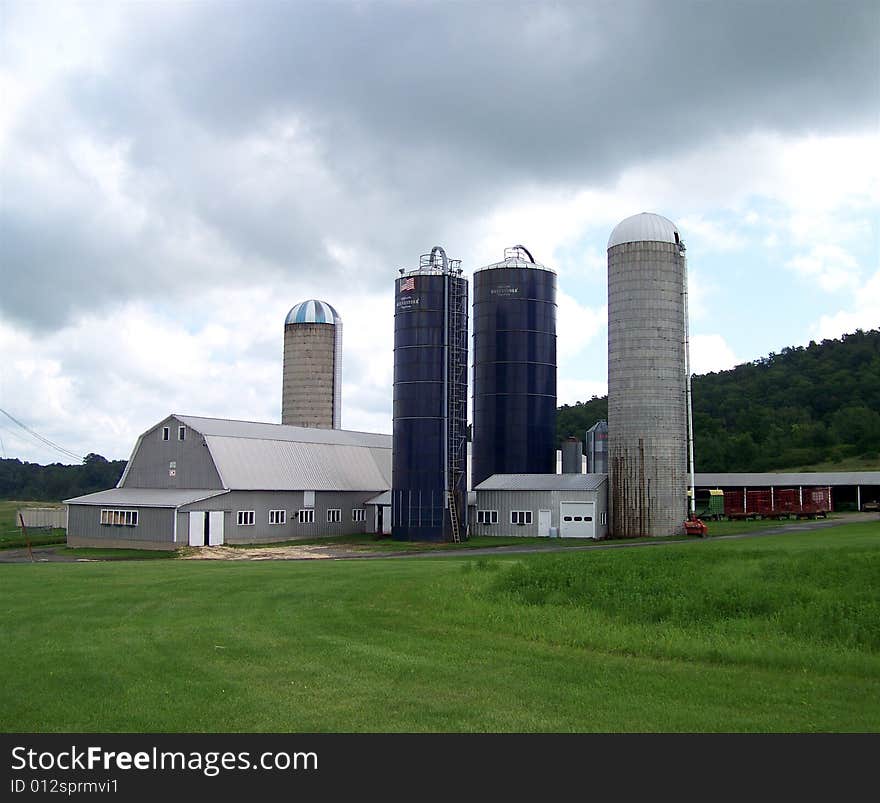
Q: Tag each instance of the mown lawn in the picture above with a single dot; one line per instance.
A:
(772, 634)
(382, 544)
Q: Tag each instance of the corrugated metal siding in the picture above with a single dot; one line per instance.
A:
(150, 464)
(262, 502)
(43, 517)
(506, 501)
(249, 464)
(154, 524)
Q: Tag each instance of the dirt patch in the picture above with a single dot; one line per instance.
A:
(304, 552)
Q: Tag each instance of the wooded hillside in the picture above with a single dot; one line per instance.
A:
(806, 405)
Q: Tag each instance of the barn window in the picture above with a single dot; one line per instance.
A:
(487, 517)
(119, 518)
(166, 433)
(277, 517)
(334, 515)
(246, 518)
(520, 517)
(181, 433)
(306, 516)
(358, 514)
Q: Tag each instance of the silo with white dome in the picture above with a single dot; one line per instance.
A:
(311, 393)
(647, 377)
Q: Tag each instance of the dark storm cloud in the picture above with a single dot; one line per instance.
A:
(274, 129)
(546, 90)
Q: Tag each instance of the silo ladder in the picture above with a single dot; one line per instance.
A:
(453, 517)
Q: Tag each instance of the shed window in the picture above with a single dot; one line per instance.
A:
(334, 515)
(245, 518)
(520, 517)
(120, 518)
(358, 514)
(166, 433)
(487, 517)
(277, 517)
(181, 433)
(306, 516)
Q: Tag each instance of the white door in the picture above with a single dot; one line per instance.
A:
(544, 523)
(215, 528)
(197, 528)
(386, 519)
(576, 520)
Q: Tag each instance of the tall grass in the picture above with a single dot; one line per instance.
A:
(825, 597)
(770, 634)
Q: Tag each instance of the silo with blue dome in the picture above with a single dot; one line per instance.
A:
(312, 375)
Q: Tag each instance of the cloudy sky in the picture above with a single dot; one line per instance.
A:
(175, 176)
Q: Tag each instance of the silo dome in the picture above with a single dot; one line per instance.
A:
(312, 311)
(644, 227)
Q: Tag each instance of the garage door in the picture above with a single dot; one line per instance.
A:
(576, 520)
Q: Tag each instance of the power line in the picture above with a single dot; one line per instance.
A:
(41, 439)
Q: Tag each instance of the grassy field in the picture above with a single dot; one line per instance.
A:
(10, 531)
(93, 553)
(771, 634)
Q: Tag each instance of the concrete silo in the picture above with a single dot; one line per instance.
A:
(429, 440)
(647, 377)
(514, 424)
(311, 393)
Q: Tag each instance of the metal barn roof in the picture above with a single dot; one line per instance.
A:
(255, 456)
(543, 482)
(251, 464)
(802, 478)
(644, 227)
(230, 428)
(144, 497)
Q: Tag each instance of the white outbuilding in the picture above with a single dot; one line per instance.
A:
(567, 505)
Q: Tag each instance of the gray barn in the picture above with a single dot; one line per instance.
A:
(206, 481)
(576, 505)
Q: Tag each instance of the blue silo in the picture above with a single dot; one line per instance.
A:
(514, 423)
(429, 441)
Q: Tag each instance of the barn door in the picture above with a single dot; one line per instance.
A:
(197, 528)
(576, 520)
(544, 523)
(215, 528)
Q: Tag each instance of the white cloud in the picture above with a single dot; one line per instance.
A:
(863, 314)
(571, 391)
(711, 353)
(700, 291)
(829, 265)
(576, 326)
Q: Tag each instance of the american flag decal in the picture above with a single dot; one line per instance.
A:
(408, 284)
